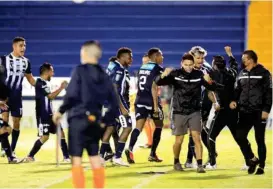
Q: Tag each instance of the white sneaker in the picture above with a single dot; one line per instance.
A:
(118, 161)
(211, 167)
(244, 168)
(190, 165)
(15, 161)
(67, 160)
(3, 153)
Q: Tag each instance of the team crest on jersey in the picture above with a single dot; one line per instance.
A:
(118, 77)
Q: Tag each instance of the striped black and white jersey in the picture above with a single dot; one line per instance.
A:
(15, 69)
(43, 103)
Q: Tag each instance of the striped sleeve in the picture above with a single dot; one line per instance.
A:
(28, 70)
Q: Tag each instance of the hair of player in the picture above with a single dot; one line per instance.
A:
(45, 67)
(18, 39)
(198, 50)
(122, 51)
(145, 55)
(153, 51)
(219, 61)
(187, 56)
(91, 43)
(113, 59)
(251, 55)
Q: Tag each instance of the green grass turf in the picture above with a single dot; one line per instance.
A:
(44, 173)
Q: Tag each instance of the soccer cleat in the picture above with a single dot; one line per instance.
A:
(189, 165)
(28, 159)
(260, 171)
(244, 168)
(200, 169)
(13, 154)
(108, 157)
(178, 167)
(118, 161)
(211, 167)
(3, 153)
(146, 146)
(130, 156)
(15, 160)
(252, 166)
(67, 160)
(154, 159)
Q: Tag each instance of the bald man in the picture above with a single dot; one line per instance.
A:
(87, 91)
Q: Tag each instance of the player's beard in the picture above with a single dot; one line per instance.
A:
(49, 78)
(22, 53)
(243, 65)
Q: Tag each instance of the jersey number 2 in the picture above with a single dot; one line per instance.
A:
(142, 81)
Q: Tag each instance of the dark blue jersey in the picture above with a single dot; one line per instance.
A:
(121, 78)
(15, 69)
(146, 77)
(43, 103)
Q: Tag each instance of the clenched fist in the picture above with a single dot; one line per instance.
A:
(233, 105)
(228, 50)
(64, 84)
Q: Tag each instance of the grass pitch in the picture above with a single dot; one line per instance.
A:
(44, 174)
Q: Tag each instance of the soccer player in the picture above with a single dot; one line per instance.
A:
(86, 94)
(147, 104)
(199, 55)
(253, 93)
(108, 155)
(119, 75)
(43, 100)
(5, 129)
(187, 83)
(224, 116)
(16, 67)
(149, 124)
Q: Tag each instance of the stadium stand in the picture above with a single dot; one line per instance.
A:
(174, 28)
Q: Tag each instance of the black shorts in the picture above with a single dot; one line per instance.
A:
(14, 105)
(45, 126)
(3, 124)
(144, 113)
(82, 134)
(116, 123)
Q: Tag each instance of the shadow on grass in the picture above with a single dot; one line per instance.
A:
(57, 169)
(206, 176)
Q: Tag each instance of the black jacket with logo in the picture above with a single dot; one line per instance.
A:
(254, 90)
(187, 89)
